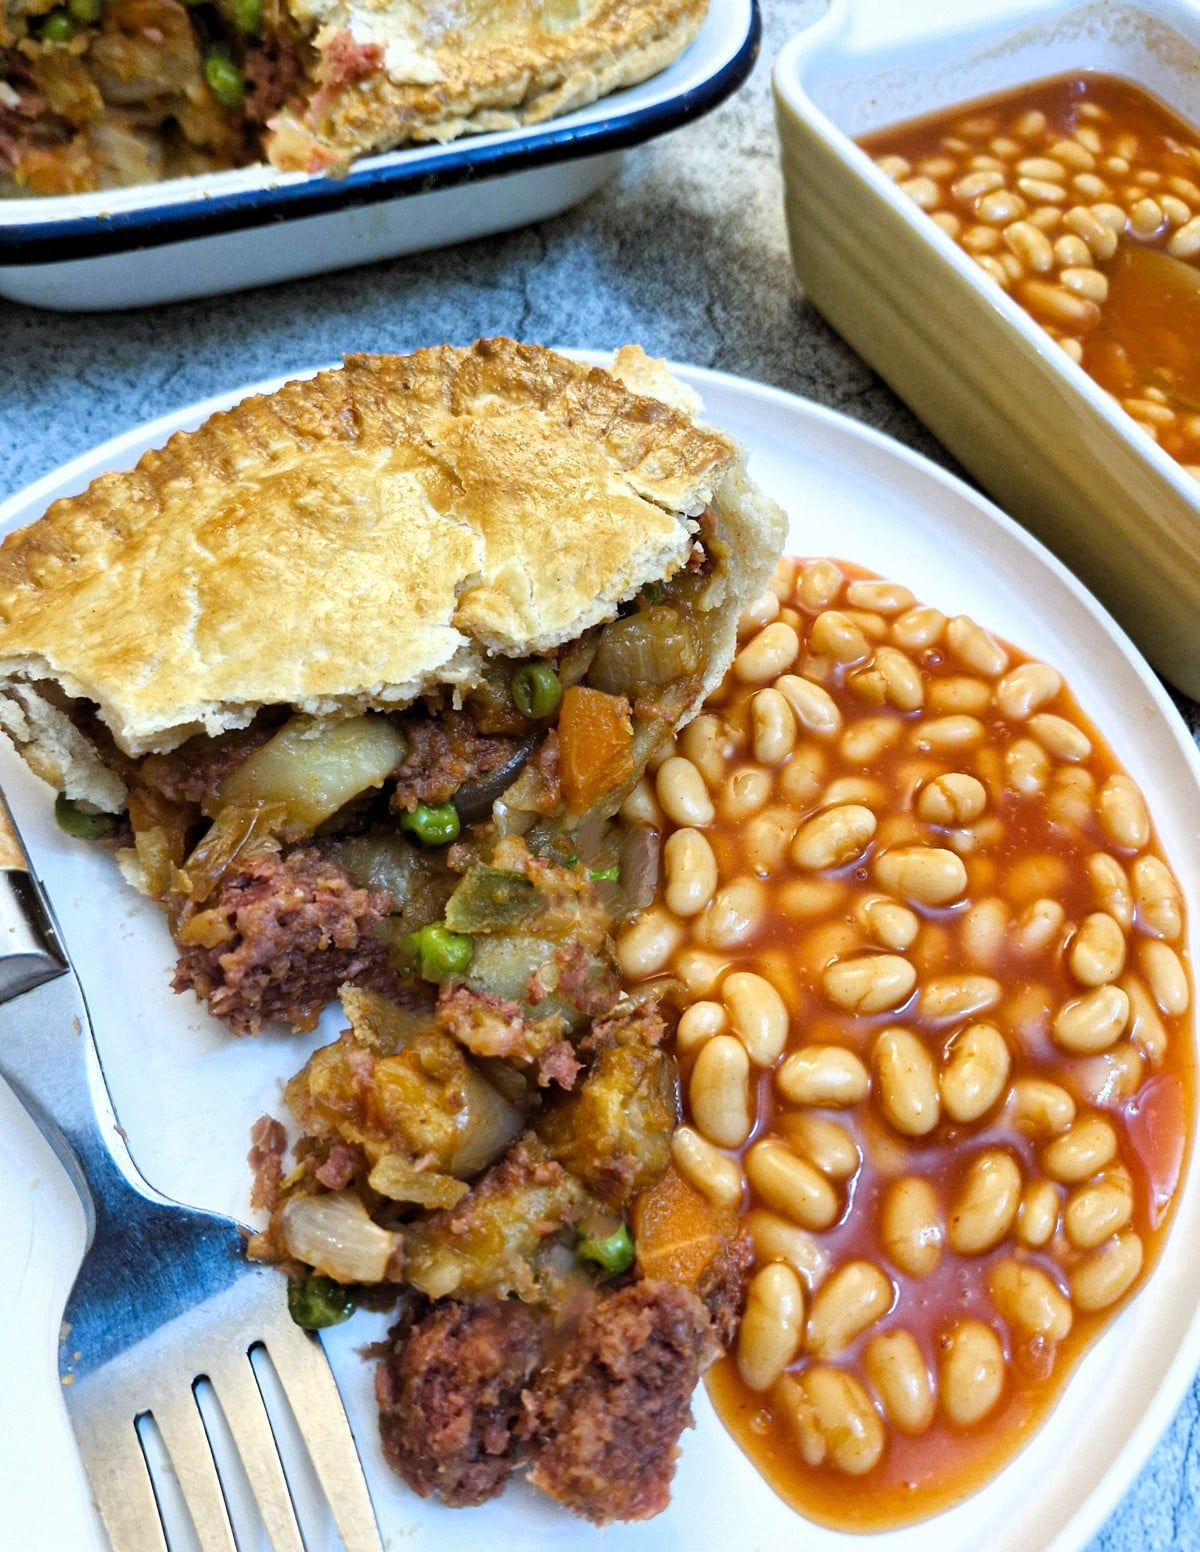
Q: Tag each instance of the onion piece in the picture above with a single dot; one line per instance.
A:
(641, 860)
(335, 1235)
(474, 799)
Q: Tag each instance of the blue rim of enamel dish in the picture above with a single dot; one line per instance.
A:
(209, 215)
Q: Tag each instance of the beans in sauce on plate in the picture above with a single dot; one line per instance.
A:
(936, 1047)
(1081, 197)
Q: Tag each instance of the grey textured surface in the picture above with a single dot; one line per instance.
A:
(685, 253)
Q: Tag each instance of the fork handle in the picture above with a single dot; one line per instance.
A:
(30, 951)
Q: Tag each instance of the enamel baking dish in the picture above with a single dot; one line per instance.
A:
(1029, 424)
(185, 237)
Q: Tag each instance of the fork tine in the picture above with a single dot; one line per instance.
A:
(236, 1389)
(120, 1480)
(182, 1429)
(307, 1380)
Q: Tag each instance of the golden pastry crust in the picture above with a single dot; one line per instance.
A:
(467, 67)
(358, 540)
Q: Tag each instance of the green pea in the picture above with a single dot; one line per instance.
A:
(225, 81)
(439, 952)
(58, 28)
(85, 12)
(318, 1302)
(81, 822)
(432, 826)
(610, 875)
(245, 15)
(612, 1254)
(536, 690)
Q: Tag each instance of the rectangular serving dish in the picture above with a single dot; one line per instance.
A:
(225, 231)
(1039, 435)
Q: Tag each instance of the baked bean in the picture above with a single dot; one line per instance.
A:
(1072, 797)
(761, 612)
(1026, 689)
(708, 746)
(733, 914)
(691, 872)
(645, 947)
(863, 743)
(713, 1173)
(815, 709)
(1083, 1150)
(771, 1326)
(699, 1022)
(823, 1075)
(972, 1372)
(1061, 739)
(830, 1146)
(897, 1370)
(1165, 976)
(1038, 926)
(834, 837)
(1100, 238)
(1099, 1209)
(974, 648)
(699, 971)
(984, 931)
(871, 624)
(953, 799)
(1030, 246)
(905, 689)
(1123, 813)
(767, 655)
(881, 597)
(1107, 1272)
(834, 635)
(809, 898)
(985, 1205)
(893, 925)
(791, 1185)
(1111, 1078)
(1146, 1029)
(819, 584)
(1097, 950)
(757, 1014)
(853, 789)
(976, 1072)
(948, 734)
(801, 778)
(641, 806)
(1157, 897)
(779, 1239)
(851, 1299)
(906, 1083)
(1092, 1022)
(959, 693)
(774, 727)
(768, 837)
(680, 789)
(719, 1092)
(1040, 1107)
(1028, 1299)
(1111, 887)
(1027, 766)
(957, 996)
(832, 1419)
(1037, 1219)
(869, 983)
(745, 792)
(926, 875)
(910, 1226)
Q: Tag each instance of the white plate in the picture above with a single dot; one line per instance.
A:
(187, 1094)
(248, 226)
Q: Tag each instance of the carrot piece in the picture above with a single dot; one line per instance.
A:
(595, 734)
(678, 1231)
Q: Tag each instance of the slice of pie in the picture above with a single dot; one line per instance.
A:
(100, 93)
(358, 674)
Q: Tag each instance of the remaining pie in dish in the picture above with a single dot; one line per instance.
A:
(100, 93)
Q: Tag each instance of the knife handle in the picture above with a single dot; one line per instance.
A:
(13, 856)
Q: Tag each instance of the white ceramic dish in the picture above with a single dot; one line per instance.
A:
(186, 1093)
(226, 231)
(1032, 427)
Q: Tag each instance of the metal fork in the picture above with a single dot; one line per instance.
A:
(165, 1297)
